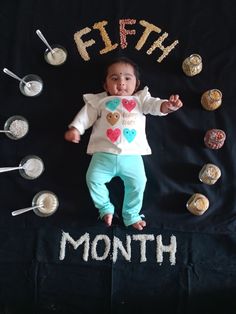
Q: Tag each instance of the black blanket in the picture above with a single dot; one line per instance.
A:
(70, 262)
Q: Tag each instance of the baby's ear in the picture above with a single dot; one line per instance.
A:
(105, 86)
(137, 84)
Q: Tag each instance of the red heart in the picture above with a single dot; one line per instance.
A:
(129, 104)
(113, 134)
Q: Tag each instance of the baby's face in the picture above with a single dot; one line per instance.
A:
(120, 80)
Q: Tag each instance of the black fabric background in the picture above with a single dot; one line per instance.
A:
(32, 278)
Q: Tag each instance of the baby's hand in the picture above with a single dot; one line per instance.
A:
(171, 105)
(174, 103)
(72, 135)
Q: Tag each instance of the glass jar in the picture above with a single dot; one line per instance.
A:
(192, 65)
(211, 99)
(57, 56)
(31, 167)
(46, 203)
(31, 85)
(214, 138)
(209, 174)
(197, 204)
(16, 127)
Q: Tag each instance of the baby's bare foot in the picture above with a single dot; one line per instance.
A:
(139, 224)
(108, 219)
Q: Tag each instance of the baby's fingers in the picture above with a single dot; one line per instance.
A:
(174, 98)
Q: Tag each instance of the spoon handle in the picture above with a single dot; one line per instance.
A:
(10, 73)
(23, 210)
(5, 131)
(39, 33)
(5, 169)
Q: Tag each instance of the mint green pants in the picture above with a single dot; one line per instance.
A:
(130, 168)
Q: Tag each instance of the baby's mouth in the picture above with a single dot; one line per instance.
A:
(121, 92)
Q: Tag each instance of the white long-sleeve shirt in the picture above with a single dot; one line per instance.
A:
(118, 122)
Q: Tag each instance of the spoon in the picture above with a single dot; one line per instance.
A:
(5, 169)
(5, 131)
(24, 210)
(8, 72)
(39, 33)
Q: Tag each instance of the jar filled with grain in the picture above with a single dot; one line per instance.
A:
(192, 65)
(211, 99)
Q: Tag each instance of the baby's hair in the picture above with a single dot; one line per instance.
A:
(122, 60)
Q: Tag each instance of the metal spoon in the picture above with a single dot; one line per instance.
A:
(5, 131)
(39, 33)
(10, 73)
(24, 210)
(5, 169)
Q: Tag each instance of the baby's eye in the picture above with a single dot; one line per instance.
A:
(127, 78)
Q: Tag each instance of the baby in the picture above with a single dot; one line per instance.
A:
(118, 139)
